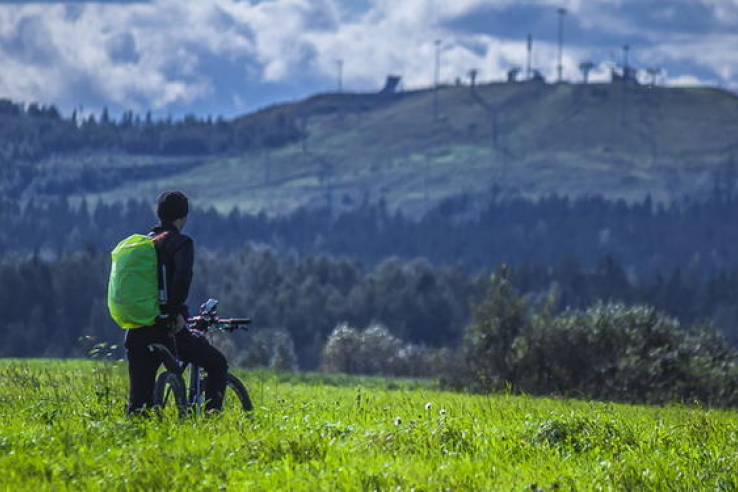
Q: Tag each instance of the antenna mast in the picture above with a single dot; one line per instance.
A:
(560, 67)
(626, 51)
(339, 62)
(436, 78)
(530, 56)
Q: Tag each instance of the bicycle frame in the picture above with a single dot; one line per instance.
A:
(195, 393)
(209, 322)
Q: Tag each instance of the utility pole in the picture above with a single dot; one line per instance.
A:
(339, 62)
(436, 79)
(304, 128)
(560, 67)
(530, 55)
(624, 83)
(626, 68)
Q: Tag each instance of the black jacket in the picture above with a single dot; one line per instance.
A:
(176, 254)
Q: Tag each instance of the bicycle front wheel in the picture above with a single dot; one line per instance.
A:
(236, 395)
(169, 394)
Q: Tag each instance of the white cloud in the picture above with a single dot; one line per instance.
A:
(726, 11)
(683, 81)
(155, 54)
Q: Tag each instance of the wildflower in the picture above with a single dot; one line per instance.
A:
(398, 420)
(442, 411)
(428, 406)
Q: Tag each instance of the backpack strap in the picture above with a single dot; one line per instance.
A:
(162, 270)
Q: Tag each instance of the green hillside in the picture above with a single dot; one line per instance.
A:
(620, 141)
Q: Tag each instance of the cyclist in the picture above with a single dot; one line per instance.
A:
(176, 256)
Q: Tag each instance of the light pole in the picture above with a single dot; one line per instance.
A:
(339, 62)
(624, 83)
(436, 78)
(530, 55)
(626, 51)
(560, 67)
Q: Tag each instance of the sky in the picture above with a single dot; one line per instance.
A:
(229, 57)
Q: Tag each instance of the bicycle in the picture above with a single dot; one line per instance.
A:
(170, 385)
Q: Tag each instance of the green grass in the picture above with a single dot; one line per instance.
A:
(62, 428)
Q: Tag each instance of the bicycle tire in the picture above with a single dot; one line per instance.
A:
(238, 389)
(170, 387)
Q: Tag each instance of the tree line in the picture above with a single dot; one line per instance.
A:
(51, 303)
(605, 351)
(34, 131)
(695, 237)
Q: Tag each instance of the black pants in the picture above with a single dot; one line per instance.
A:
(143, 364)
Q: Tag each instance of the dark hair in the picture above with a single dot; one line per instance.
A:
(172, 205)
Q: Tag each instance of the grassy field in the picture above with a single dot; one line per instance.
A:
(62, 428)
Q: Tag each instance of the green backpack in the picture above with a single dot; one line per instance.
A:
(133, 288)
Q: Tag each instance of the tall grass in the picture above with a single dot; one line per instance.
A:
(62, 428)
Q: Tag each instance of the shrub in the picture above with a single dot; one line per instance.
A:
(499, 321)
(283, 352)
(258, 352)
(340, 350)
(608, 351)
(350, 351)
(274, 349)
(377, 351)
(421, 361)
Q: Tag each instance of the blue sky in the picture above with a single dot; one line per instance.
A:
(227, 57)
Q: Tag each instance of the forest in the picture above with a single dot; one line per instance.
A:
(52, 302)
(33, 131)
(645, 238)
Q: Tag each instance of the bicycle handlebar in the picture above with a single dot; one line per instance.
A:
(236, 321)
(213, 323)
(208, 319)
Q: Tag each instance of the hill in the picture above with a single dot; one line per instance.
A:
(339, 149)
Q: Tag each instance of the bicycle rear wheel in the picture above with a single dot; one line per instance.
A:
(169, 394)
(236, 395)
